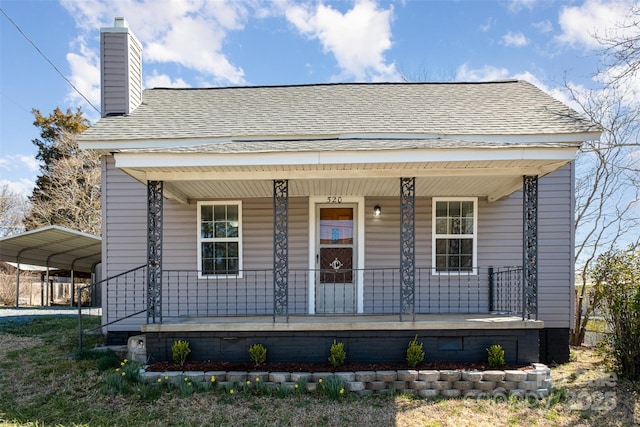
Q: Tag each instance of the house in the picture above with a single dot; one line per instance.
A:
(363, 212)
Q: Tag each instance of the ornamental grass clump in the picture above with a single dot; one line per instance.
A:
(333, 387)
(415, 354)
(337, 355)
(180, 350)
(109, 360)
(185, 387)
(495, 356)
(122, 378)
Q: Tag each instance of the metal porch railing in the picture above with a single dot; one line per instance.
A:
(185, 294)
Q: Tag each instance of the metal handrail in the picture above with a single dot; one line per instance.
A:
(80, 289)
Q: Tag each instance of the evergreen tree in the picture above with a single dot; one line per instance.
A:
(67, 191)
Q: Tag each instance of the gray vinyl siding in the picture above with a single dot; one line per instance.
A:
(556, 248)
(134, 72)
(499, 244)
(121, 73)
(124, 243)
(180, 260)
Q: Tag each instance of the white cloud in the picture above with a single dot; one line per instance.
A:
(163, 80)
(14, 167)
(543, 26)
(85, 76)
(515, 6)
(195, 42)
(579, 24)
(23, 186)
(29, 162)
(514, 39)
(189, 33)
(558, 93)
(486, 73)
(19, 162)
(487, 26)
(491, 73)
(357, 39)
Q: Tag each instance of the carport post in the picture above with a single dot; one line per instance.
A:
(18, 283)
(45, 303)
(73, 287)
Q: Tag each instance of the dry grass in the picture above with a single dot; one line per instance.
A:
(38, 387)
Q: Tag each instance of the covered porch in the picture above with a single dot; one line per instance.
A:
(356, 176)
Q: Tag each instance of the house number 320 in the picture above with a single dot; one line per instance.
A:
(334, 199)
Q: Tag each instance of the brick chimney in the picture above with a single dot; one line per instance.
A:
(120, 70)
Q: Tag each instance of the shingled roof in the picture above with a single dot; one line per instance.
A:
(505, 108)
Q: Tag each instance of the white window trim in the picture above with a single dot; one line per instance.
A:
(474, 267)
(227, 239)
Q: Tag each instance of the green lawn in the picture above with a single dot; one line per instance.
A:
(40, 385)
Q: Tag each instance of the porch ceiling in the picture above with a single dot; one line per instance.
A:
(490, 179)
(352, 168)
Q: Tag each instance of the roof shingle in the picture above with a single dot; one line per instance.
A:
(328, 110)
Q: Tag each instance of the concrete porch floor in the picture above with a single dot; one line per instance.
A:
(343, 323)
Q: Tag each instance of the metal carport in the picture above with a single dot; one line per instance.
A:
(52, 247)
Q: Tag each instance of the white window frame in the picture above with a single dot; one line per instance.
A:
(474, 236)
(201, 240)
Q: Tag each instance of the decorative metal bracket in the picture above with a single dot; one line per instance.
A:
(336, 264)
(530, 247)
(280, 248)
(154, 251)
(407, 246)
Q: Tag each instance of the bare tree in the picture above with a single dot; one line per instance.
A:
(621, 55)
(607, 188)
(13, 206)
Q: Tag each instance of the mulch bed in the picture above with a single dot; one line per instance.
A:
(196, 365)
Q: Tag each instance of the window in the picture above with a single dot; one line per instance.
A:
(454, 235)
(219, 238)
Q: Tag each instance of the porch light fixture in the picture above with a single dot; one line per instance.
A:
(377, 210)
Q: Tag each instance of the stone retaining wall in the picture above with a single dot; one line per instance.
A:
(424, 383)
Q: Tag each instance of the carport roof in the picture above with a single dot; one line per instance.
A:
(53, 246)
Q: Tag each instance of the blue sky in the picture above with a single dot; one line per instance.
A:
(192, 43)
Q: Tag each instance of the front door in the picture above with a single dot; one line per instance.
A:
(335, 278)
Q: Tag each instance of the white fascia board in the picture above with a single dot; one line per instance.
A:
(114, 145)
(185, 160)
(503, 139)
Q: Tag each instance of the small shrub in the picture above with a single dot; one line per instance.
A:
(616, 278)
(180, 350)
(415, 354)
(258, 354)
(495, 356)
(332, 387)
(337, 355)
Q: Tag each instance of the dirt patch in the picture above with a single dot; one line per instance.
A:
(206, 366)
